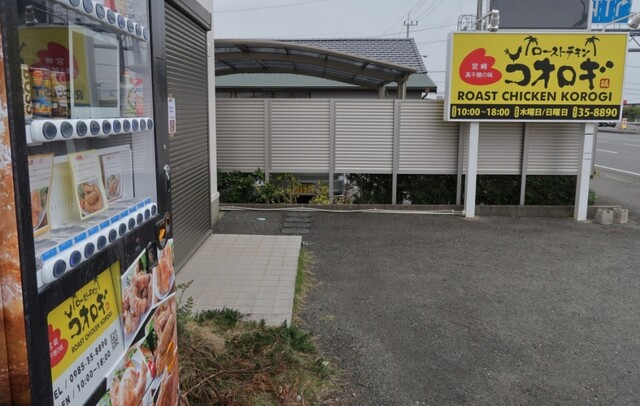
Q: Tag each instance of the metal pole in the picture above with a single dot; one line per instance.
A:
(582, 186)
(472, 170)
(479, 16)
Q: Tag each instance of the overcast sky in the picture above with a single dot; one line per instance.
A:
(367, 18)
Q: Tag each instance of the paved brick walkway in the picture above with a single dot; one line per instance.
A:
(254, 274)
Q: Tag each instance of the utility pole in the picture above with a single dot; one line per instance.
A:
(479, 16)
(409, 23)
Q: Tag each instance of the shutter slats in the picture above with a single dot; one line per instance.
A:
(189, 149)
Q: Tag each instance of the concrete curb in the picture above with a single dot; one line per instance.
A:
(483, 210)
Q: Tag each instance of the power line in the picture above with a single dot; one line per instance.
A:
(265, 7)
(430, 9)
(421, 29)
(418, 6)
(431, 42)
(436, 27)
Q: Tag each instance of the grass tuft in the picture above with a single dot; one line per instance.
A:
(226, 360)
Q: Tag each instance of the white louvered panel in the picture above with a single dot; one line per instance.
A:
(554, 148)
(240, 126)
(499, 149)
(364, 136)
(300, 131)
(428, 145)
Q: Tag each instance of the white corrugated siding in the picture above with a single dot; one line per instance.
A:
(499, 149)
(364, 136)
(428, 145)
(240, 126)
(300, 131)
(554, 148)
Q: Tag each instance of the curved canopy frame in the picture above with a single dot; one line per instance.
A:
(266, 56)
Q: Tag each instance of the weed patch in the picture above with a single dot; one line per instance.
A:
(227, 360)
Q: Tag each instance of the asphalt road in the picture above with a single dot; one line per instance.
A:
(442, 310)
(618, 189)
(618, 152)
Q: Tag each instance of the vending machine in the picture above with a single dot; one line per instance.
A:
(86, 262)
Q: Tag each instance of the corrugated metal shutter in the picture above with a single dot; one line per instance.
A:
(240, 134)
(554, 148)
(499, 150)
(428, 145)
(300, 131)
(364, 136)
(189, 149)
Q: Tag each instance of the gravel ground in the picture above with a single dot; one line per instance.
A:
(441, 310)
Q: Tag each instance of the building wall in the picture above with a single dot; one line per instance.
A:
(215, 195)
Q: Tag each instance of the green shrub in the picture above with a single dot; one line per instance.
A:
(372, 188)
(498, 189)
(427, 189)
(550, 190)
(240, 187)
(321, 195)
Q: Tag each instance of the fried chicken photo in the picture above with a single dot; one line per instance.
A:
(136, 300)
(90, 197)
(128, 389)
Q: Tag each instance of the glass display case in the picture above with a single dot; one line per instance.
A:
(95, 291)
(88, 107)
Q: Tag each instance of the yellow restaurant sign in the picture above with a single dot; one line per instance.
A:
(85, 339)
(535, 76)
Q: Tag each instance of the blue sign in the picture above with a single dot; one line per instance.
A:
(606, 11)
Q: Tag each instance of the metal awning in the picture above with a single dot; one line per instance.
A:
(265, 56)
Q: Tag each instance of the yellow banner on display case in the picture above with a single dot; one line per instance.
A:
(535, 76)
(85, 339)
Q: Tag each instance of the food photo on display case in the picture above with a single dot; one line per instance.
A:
(127, 384)
(86, 173)
(112, 172)
(164, 273)
(137, 296)
(40, 168)
(166, 333)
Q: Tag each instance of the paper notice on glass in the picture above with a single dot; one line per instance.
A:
(112, 175)
(90, 195)
(40, 171)
(172, 115)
